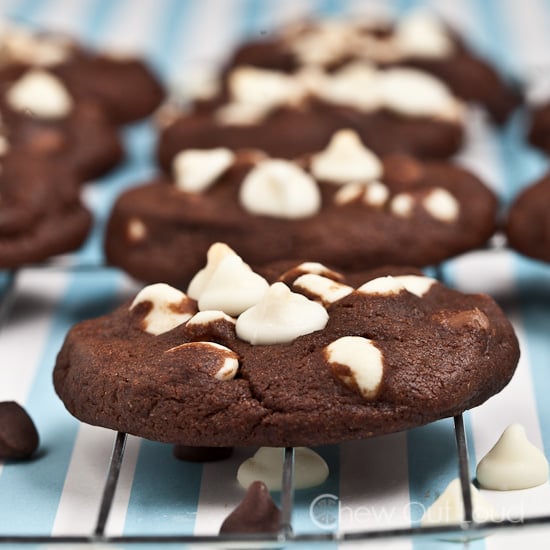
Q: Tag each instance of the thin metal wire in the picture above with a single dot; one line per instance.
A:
(287, 492)
(463, 468)
(111, 483)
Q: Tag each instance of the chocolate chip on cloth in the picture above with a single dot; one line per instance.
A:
(418, 40)
(344, 206)
(124, 86)
(256, 513)
(18, 435)
(528, 223)
(41, 214)
(239, 360)
(394, 110)
(41, 117)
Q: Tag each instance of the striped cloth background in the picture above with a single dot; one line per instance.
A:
(384, 482)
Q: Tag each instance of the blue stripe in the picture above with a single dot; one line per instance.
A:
(28, 11)
(164, 494)
(30, 491)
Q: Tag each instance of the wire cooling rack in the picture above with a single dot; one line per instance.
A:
(464, 531)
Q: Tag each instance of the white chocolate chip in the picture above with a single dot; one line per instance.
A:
(411, 92)
(170, 308)
(358, 363)
(280, 189)
(513, 463)
(327, 290)
(265, 88)
(209, 316)
(41, 93)
(422, 35)
(346, 159)
(376, 194)
(442, 205)
(356, 85)
(325, 43)
(348, 193)
(280, 317)
(266, 465)
(416, 284)
(448, 509)
(216, 253)
(195, 170)
(226, 360)
(402, 205)
(317, 268)
(385, 286)
(136, 230)
(232, 288)
(240, 114)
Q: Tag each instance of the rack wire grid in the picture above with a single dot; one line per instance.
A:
(465, 532)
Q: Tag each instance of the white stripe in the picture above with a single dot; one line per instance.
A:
(374, 487)
(63, 16)
(130, 26)
(26, 329)
(79, 503)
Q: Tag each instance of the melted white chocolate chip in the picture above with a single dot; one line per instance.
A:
(196, 170)
(415, 284)
(266, 465)
(41, 93)
(216, 253)
(327, 290)
(358, 363)
(513, 463)
(280, 317)
(169, 308)
(232, 288)
(346, 159)
(280, 189)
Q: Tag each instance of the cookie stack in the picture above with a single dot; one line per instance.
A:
(61, 106)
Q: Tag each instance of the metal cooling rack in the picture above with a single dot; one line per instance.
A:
(466, 530)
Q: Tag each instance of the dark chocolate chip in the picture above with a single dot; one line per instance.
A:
(18, 435)
(201, 454)
(257, 513)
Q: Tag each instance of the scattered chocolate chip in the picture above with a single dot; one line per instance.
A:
(18, 435)
(257, 513)
(201, 454)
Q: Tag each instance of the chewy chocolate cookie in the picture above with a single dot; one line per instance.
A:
(40, 210)
(288, 115)
(309, 359)
(528, 224)
(123, 86)
(418, 40)
(539, 127)
(344, 206)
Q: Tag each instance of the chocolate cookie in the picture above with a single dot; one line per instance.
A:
(344, 206)
(539, 127)
(419, 40)
(312, 360)
(123, 86)
(41, 117)
(288, 115)
(40, 210)
(528, 224)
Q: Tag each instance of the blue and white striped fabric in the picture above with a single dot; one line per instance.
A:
(381, 483)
